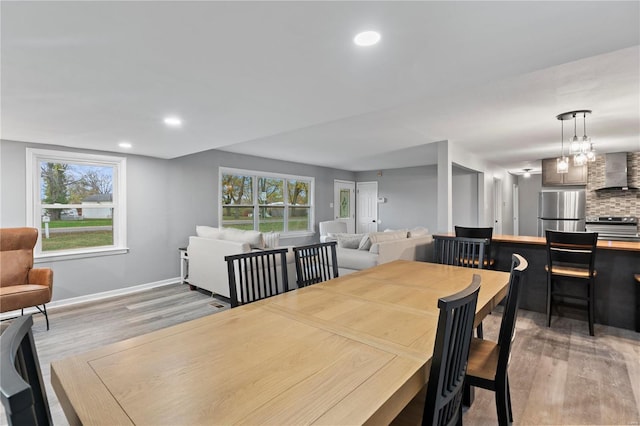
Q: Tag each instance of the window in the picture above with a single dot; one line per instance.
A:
(77, 201)
(266, 201)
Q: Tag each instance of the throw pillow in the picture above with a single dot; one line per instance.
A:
(365, 243)
(208, 232)
(271, 239)
(350, 241)
(254, 238)
(418, 231)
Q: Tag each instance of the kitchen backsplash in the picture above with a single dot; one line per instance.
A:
(613, 202)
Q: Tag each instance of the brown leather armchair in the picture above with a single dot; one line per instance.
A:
(22, 286)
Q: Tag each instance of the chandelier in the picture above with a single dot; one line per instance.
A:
(580, 148)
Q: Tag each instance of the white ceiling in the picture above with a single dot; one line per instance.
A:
(284, 80)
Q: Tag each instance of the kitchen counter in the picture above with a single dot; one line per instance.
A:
(602, 244)
(616, 291)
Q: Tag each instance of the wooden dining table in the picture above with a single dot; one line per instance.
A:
(352, 350)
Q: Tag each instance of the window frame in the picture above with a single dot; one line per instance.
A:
(256, 175)
(119, 196)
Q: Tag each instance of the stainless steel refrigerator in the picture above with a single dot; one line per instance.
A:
(561, 211)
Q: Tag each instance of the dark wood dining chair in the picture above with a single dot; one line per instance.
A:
(443, 403)
(316, 263)
(484, 233)
(571, 258)
(461, 251)
(21, 386)
(257, 275)
(489, 361)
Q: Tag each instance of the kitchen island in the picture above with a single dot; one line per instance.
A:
(616, 292)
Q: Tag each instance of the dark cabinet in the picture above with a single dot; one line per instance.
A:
(577, 175)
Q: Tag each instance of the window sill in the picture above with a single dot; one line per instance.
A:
(55, 257)
(297, 234)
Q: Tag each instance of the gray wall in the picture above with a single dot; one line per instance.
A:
(528, 189)
(195, 181)
(464, 197)
(166, 199)
(411, 195)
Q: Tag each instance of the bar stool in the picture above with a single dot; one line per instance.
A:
(486, 233)
(571, 258)
(637, 277)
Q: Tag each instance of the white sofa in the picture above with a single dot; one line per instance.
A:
(355, 253)
(331, 227)
(207, 249)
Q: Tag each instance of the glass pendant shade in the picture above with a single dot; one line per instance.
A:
(562, 164)
(575, 145)
(580, 159)
(591, 154)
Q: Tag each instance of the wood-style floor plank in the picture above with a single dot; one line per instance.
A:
(558, 375)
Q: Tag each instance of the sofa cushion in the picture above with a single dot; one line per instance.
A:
(349, 241)
(254, 238)
(379, 237)
(271, 239)
(356, 259)
(418, 231)
(208, 232)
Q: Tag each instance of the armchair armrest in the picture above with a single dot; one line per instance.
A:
(41, 276)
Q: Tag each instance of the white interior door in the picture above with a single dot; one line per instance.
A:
(497, 206)
(344, 203)
(367, 207)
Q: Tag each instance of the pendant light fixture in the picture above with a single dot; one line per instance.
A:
(581, 149)
(562, 162)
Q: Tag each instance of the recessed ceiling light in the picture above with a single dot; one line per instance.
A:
(367, 38)
(173, 121)
(124, 144)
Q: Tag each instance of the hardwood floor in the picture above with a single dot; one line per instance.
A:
(558, 375)
(82, 327)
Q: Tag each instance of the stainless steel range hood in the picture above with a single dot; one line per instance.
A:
(616, 172)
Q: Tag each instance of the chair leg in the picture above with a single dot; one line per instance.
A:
(509, 401)
(502, 404)
(46, 316)
(548, 300)
(468, 394)
(44, 312)
(479, 331)
(591, 302)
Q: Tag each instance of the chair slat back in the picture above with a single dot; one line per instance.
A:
(519, 266)
(257, 275)
(316, 263)
(462, 231)
(450, 356)
(21, 386)
(460, 251)
(576, 249)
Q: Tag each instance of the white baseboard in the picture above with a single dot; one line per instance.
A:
(94, 297)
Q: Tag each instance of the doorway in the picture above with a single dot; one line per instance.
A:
(344, 203)
(497, 206)
(367, 211)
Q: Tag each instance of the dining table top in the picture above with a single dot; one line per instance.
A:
(352, 350)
